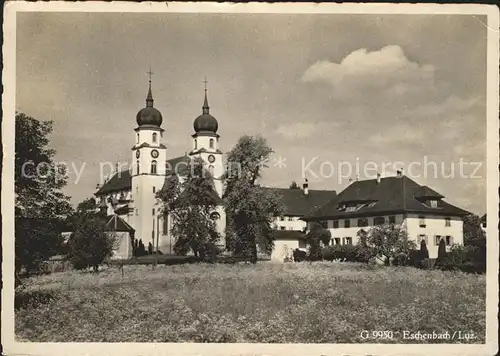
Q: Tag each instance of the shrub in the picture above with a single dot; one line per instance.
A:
(441, 252)
(348, 253)
(463, 258)
(299, 255)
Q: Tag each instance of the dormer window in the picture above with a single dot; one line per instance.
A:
(433, 203)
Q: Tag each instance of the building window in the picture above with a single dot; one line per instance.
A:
(137, 138)
(335, 224)
(447, 221)
(154, 189)
(437, 239)
(211, 170)
(347, 223)
(392, 219)
(380, 220)
(211, 143)
(449, 240)
(421, 221)
(282, 228)
(290, 218)
(153, 167)
(137, 169)
(195, 144)
(362, 222)
(433, 203)
(215, 216)
(324, 224)
(347, 240)
(337, 240)
(155, 137)
(282, 218)
(422, 237)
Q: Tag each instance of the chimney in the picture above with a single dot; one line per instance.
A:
(350, 181)
(398, 173)
(378, 178)
(305, 187)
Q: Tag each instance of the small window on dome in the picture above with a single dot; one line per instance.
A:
(155, 137)
(211, 143)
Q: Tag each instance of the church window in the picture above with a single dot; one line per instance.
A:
(138, 171)
(154, 189)
(195, 144)
(211, 143)
(155, 136)
(211, 170)
(153, 167)
(153, 212)
(137, 138)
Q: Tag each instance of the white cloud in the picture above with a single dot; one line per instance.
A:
(386, 71)
(297, 130)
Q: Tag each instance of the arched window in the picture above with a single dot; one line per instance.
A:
(137, 169)
(155, 137)
(153, 167)
(137, 138)
(211, 170)
(211, 143)
(195, 144)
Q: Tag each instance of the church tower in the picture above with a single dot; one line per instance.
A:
(147, 171)
(206, 142)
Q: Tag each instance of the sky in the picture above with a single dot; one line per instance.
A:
(337, 96)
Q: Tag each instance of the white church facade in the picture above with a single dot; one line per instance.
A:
(131, 193)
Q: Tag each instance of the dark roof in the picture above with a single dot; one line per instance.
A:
(289, 235)
(391, 195)
(483, 218)
(426, 192)
(115, 223)
(299, 204)
(123, 181)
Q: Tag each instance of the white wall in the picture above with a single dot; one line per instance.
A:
(289, 223)
(284, 248)
(434, 225)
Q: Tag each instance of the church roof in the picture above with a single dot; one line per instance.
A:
(390, 195)
(115, 223)
(299, 204)
(123, 180)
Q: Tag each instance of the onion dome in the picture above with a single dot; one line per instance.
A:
(149, 116)
(205, 122)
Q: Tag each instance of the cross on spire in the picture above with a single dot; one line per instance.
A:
(150, 74)
(205, 82)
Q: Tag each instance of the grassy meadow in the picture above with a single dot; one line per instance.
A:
(268, 303)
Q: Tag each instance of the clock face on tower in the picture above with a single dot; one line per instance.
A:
(154, 153)
(137, 154)
(211, 159)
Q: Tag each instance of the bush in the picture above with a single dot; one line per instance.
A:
(463, 258)
(299, 255)
(348, 253)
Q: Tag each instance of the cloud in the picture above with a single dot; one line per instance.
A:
(386, 71)
(296, 130)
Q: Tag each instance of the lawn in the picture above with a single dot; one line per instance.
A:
(288, 303)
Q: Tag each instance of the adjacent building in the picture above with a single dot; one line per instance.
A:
(422, 211)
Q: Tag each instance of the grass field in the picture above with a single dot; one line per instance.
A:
(291, 303)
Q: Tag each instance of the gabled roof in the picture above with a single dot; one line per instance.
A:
(299, 204)
(123, 181)
(426, 192)
(115, 223)
(289, 235)
(391, 195)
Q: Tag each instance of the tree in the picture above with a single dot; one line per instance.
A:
(424, 252)
(191, 205)
(294, 185)
(441, 252)
(40, 206)
(315, 237)
(390, 241)
(85, 207)
(250, 209)
(473, 233)
(90, 244)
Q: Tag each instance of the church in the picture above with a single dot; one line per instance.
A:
(131, 193)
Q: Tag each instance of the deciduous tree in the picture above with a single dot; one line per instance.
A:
(389, 241)
(250, 209)
(41, 208)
